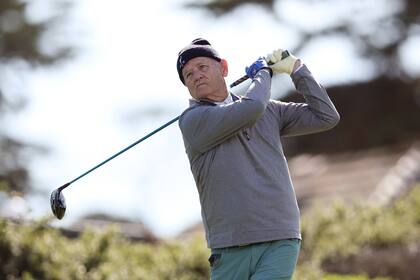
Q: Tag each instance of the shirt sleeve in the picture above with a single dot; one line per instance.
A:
(297, 69)
(204, 127)
(315, 115)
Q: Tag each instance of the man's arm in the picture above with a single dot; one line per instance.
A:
(204, 127)
(317, 114)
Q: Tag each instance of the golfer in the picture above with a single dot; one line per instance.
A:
(248, 204)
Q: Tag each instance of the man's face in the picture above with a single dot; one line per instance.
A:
(204, 78)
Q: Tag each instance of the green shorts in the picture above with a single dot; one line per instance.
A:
(274, 260)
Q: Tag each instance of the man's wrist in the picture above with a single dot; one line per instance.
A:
(297, 66)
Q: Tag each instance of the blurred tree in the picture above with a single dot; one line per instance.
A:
(221, 7)
(22, 42)
(379, 32)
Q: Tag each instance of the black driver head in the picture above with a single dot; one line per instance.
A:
(58, 204)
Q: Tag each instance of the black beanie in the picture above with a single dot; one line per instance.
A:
(198, 47)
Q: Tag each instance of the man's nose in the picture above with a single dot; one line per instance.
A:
(197, 76)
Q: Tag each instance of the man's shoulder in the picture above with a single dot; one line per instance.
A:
(195, 107)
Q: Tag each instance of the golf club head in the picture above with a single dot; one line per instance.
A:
(58, 204)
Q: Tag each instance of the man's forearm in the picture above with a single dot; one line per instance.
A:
(315, 115)
(315, 95)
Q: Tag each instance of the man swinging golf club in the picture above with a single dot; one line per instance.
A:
(249, 209)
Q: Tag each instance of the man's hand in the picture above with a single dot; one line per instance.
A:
(259, 64)
(279, 65)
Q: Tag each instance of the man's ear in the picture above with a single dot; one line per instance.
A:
(225, 69)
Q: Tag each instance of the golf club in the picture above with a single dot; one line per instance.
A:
(57, 201)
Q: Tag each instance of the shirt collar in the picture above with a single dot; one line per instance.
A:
(226, 101)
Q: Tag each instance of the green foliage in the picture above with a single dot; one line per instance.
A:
(343, 230)
(4, 186)
(351, 277)
(38, 251)
(311, 271)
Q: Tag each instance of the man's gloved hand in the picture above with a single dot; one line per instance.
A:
(259, 64)
(279, 65)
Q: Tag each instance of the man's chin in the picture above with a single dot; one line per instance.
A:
(201, 87)
(203, 93)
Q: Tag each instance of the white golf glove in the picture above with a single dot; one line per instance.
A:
(280, 65)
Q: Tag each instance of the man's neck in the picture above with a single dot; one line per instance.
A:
(218, 99)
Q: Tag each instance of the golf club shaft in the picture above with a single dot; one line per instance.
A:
(119, 153)
(284, 54)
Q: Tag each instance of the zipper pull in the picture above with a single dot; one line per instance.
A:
(247, 135)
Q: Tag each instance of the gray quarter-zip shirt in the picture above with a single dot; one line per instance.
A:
(238, 163)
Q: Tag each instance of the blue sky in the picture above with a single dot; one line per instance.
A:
(123, 83)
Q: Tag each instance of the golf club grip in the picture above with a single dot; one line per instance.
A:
(284, 54)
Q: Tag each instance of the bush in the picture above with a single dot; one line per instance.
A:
(351, 277)
(37, 251)
(344, 230)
